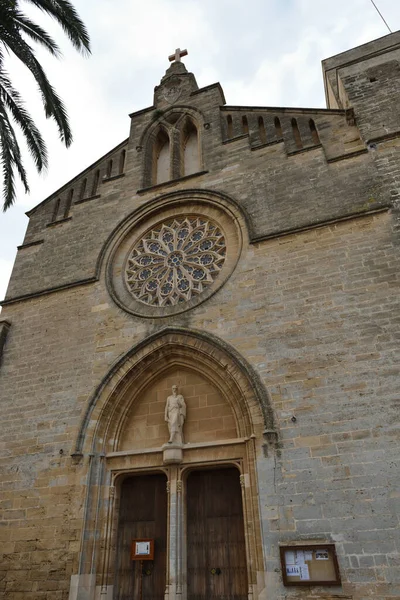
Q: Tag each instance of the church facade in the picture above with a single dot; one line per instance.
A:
(199, 346)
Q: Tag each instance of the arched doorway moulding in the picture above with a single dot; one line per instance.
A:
(104, 421)
(207, 354)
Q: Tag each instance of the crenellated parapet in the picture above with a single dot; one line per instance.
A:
(88, 185)
(298, 129)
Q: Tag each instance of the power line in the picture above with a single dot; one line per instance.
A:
(381, 15)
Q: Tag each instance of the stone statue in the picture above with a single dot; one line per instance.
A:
(175, 415)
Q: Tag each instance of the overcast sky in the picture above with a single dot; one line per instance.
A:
(263, 52)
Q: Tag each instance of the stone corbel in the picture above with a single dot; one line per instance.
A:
(271, 441)
(76, 457)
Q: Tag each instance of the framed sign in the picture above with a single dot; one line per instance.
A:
(142, 549)
(304, 565)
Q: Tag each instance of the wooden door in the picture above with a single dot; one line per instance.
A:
(216, 554)
(143, 514)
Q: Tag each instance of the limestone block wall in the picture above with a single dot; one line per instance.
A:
(86, 186)
(367, 79)
(299, 129)
(280, 185)
(208, 417)
(276, 192)
(312, 305)
(314, 313)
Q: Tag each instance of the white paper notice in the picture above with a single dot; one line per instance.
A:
(299, 557)
(321, 555)
(142, 548)
(293, 571)
(304, 574)
(290, 558)
(307, 555)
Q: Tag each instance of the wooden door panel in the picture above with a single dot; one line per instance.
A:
(143, 514)
(215, 536)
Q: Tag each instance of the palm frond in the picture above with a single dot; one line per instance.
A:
(53, 105)
(36, 33)
(10, 158)
(11, 99)
(15, 28)
(66, 16)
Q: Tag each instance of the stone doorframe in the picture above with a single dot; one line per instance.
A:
(237, 453)
(97, 448)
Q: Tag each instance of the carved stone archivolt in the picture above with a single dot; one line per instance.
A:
(107, 421)
(110, 404)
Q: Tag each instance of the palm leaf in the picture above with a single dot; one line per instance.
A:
(36, 33)
(66, 16)
(15, 27)
(11, 99)
(53, 105)
(10, 157)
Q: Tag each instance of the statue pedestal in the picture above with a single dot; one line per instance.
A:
(172, 454)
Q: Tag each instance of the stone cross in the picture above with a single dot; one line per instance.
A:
(177, 56)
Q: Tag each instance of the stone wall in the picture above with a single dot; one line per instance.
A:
(208, 417)
(279, 186)
(312, 306)
(314, 314)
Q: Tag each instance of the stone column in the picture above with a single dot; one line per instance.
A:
(82, 586)
(106, 591)
(167, 586)
(246, 518)
(174, 580)
(175, 148)
(179, 528)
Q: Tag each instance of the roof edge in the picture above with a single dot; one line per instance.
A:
(68, 183)
(286, 109)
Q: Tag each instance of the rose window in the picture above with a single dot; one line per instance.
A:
(175, 261)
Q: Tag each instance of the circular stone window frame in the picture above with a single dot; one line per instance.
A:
(181, 252)
(213, 207)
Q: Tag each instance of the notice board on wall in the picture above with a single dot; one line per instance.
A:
(310, 565)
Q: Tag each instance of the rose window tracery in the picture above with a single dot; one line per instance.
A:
(175, 261)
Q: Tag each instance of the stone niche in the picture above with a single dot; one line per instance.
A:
(209, 417)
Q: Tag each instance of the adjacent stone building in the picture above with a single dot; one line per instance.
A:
(249, 257)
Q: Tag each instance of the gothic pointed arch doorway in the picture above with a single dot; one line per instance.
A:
(228, 415)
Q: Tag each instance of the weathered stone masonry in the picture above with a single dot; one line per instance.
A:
(307, 313)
